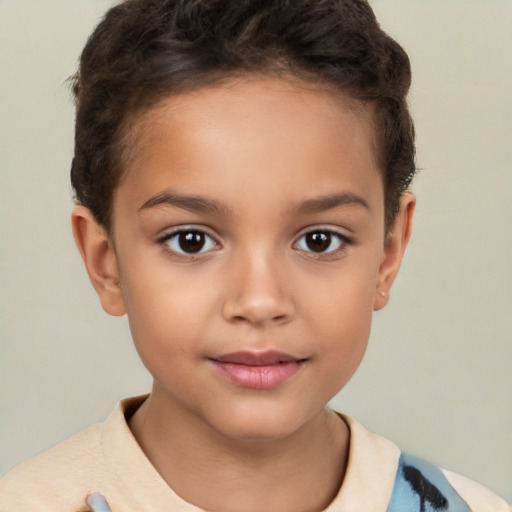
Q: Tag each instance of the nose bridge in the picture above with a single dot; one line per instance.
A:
(258, 293)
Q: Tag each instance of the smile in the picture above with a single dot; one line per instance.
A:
(257, 370)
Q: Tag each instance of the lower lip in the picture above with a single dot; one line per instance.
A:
(258, 377)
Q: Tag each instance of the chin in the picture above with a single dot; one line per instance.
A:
(258, 423)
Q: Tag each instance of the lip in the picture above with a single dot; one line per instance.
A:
(257, 370)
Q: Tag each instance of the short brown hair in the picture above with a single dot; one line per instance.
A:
(144, 50)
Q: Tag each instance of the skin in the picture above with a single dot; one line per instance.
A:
(277, 159)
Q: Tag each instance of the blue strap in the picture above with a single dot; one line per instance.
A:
(422, 487)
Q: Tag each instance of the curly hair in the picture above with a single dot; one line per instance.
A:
(145, 50)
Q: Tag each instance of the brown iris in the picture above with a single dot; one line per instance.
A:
(191, 241)
(318, 241)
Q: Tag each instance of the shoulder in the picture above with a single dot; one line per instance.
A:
(419, 483)
(402, 483)
(478, 497)
(43, 478)
(92, 461)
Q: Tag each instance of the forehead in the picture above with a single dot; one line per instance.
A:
(271, 136)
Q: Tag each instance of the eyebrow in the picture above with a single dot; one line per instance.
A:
(321, 204)
(196, 204)
(199, 204)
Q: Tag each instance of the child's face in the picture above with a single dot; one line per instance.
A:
(251, 221)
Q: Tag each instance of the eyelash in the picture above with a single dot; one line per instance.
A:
(211, 244)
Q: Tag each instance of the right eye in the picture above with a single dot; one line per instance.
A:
(189, 241)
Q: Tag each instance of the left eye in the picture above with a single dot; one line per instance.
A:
(321, 241)
(190, 241)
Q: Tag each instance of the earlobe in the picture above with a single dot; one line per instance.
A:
(99, 258)
(394, 248)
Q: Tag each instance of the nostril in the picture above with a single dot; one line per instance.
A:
(257, 301)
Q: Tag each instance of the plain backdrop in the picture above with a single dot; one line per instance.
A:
(437, 377)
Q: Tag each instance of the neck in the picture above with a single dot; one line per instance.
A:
(218, 473)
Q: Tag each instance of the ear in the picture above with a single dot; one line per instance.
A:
(394, 248)
(99, 258)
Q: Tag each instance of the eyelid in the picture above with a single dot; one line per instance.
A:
(336, 230)
(167, 233)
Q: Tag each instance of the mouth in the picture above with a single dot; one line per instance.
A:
(257, 370)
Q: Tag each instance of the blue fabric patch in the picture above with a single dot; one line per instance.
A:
(98, 503)
(422, 487)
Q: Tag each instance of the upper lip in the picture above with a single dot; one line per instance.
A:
(249, 358)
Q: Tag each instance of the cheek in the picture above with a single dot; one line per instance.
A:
(341, 312)
(343, 297)
(344, 330)
(167, 311)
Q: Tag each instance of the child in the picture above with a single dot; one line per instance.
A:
(241, 170)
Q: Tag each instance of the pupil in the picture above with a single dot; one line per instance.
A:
(318, 241)
(193, 241)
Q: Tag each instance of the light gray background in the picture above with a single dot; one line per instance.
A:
(437, 377)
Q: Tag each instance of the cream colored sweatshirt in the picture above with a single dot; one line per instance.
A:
(106, 459)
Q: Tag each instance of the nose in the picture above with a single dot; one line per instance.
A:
(257, 294)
